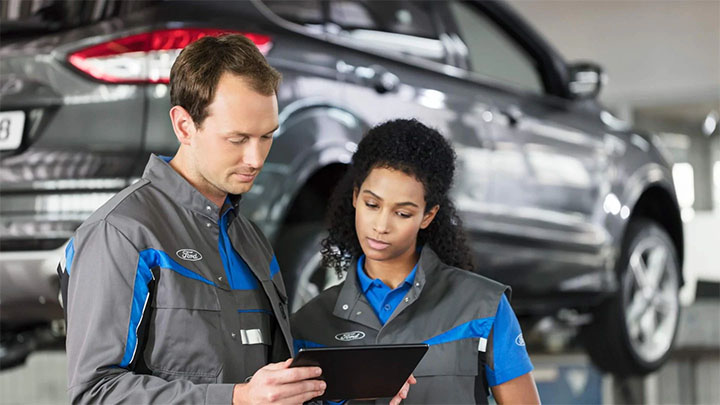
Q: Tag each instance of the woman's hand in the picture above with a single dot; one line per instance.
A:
(403, 393)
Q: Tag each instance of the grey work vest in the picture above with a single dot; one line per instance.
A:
(441, 303)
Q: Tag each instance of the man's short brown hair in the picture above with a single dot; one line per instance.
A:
(196, 72)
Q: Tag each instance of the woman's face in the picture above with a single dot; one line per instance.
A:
(389, 212)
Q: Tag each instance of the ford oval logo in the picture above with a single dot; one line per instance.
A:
(190, 255)
(349, 336)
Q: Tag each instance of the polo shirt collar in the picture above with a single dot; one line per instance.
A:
(352, 304)
(163, 177)
(366, 282)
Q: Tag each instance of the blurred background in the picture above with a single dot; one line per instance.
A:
(586, 134)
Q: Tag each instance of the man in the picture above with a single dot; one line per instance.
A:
(172, 295)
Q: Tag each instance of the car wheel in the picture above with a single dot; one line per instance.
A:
(632, 332)
(300, 260)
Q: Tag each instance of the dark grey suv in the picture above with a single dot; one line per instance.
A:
(564, 202)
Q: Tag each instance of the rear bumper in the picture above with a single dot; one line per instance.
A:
(29, 287)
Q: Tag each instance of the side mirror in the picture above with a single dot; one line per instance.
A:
(586, 80)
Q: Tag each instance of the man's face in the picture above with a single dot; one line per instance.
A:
(230, 147)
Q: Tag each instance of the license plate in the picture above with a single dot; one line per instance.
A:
(11, 129)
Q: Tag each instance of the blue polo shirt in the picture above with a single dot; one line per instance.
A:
(382, 298)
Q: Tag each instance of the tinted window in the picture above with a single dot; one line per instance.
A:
(400, 17)
(297, 11)
(397, 27)
(23, 17)
(492, 52)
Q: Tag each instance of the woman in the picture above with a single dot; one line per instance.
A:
(396, 233)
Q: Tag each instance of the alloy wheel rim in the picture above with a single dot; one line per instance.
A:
(650, 297)
(306, 288)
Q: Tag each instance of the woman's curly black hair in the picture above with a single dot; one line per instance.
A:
(419, 151)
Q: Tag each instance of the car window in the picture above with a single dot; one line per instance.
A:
(405, 27)
(492, 52)
(400, 17)
(305, 12)
(18, 17)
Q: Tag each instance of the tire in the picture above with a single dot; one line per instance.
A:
(298, 254)
(632, 332)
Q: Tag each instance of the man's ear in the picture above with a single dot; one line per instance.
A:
(355, 195)
(183, 124)
(429, 216)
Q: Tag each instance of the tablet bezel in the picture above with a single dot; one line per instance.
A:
(349, 375)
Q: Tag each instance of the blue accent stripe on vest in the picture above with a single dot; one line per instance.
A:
(149, 259)
(477, 328)
(304, 344)
(69, 255)
(158, 258)
(239, 275)
(255, 310)
(141, 293)
(274, 267)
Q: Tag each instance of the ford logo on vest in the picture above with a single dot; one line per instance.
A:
(348, 336)
(190, 255)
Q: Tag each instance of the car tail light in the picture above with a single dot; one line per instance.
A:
(146, 57)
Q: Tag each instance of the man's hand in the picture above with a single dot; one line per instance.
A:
(278, 384)
(403, 393)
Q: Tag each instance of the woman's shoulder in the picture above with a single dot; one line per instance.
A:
(468, 279)
(470, 290)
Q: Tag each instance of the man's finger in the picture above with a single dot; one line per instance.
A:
(302, 388)
(302, 398)
(412, 379)
(278, 366)
(290, 375)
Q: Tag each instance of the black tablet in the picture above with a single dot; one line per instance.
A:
(363, 372)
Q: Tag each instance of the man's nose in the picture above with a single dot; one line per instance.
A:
(254, 155)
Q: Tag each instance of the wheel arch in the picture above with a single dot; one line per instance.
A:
(658, 204)
(322, 136)
(310, 201)
(650, 194)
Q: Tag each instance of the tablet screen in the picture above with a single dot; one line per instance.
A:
(362, 372)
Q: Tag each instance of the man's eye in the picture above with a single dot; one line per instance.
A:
(266, 137)
(237, 141)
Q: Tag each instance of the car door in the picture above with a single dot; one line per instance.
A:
(547, 167)
(396, 64)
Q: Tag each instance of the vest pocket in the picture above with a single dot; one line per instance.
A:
(184, 334)
(457, 358)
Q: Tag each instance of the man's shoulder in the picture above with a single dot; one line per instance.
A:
(131, 206)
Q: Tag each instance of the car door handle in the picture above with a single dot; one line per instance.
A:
(374, 76)
(513, 114)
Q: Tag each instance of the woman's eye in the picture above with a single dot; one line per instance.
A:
(404, 214)
(370, 205)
